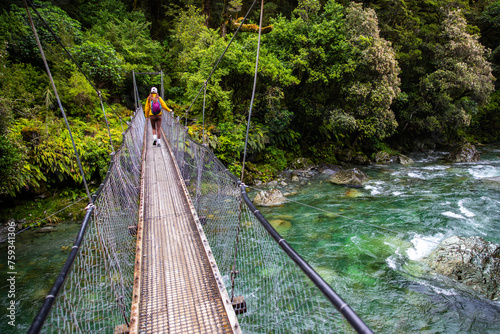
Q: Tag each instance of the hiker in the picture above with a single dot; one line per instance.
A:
(153, 111)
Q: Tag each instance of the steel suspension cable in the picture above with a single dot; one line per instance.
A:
(107, 123)
(203, 125)
(253, 90)
(218, 61)
(79, 67)
(234, 272)
(58, 100)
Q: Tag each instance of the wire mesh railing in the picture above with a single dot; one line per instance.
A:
(93, 292)
(271, 286)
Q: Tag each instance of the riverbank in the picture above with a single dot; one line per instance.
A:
(40, 212)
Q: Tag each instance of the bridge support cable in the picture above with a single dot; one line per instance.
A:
(253, 90)
(234, 270)
(107, 124)
(58, 100)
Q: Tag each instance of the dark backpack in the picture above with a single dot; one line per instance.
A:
(155, 106)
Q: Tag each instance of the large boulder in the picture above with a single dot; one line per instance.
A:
(404, 160)
(471, 261)
(349, 177)
(465, 153)
(272, 197)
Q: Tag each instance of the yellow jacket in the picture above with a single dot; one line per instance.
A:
(147, 108)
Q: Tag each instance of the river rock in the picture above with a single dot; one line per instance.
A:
(349, 177)
(45, 229)
(272, 197)
(465, 153)
(471, 261)
(404, 160)
(494, 181)
(328, 169)
(280, 225)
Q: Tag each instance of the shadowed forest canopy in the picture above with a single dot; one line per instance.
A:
(338, 81)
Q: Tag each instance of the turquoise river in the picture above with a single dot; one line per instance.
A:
(367, 243)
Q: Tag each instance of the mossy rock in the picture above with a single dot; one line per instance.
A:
(465, 153)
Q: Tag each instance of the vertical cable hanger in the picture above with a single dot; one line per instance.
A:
(253, 91)
(58, 100)
(107, 123)
(238, 302)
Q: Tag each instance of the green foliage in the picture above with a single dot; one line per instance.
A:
(93, 13)
(131, 40)
(276, 157)
(346, 74)
(375, 83)
(17, 31)
(100, 62)
(462, 81)
(12, 161)
(486, 123)
(328, 79)
(230, 142)
(77, 95)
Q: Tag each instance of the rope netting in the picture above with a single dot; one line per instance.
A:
(97, 293)
(276, 295)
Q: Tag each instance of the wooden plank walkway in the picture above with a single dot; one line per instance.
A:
(177, 285)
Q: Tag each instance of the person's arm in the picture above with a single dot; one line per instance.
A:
(164, 105)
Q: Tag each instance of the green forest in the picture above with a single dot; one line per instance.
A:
(338, 81)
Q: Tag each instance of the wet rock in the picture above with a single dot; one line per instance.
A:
(471, 261)
(384, 158)
(45, 229)
(465, 153)
(272, 184)
(280, 225)
(328, 169)
(404, 160)
(349, 177)
(272, 197)
(304, 173)
(353, 193)
(494, 181)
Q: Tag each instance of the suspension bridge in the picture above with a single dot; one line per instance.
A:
(171, 243)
